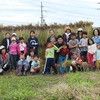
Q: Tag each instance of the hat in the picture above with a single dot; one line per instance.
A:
(13, 38)
(2, 47)
(80, 29)
(14, 34)
(67, 28)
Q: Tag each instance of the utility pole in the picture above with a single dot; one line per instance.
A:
(41, 14)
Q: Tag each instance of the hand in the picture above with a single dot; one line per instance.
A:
(33, 48)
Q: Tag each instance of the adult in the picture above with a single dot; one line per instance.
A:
(33, 42)
(79, 34)
(6, 41)
(66, 35)
(15, 35)
(96, 36)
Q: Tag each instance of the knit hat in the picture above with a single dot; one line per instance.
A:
(13, 38)
(2, 47)
(67, 28)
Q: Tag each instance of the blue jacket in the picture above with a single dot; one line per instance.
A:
(96, 39)
(33, 42)
(20, 62)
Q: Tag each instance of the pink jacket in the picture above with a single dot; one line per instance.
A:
(13, 48)
(19, 48)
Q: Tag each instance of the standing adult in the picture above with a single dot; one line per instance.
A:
(66, 35)
(96, 36)
(6, 41)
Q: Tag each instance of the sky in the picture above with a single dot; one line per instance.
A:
(24, 12)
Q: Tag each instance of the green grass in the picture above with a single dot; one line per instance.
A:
(71, 86)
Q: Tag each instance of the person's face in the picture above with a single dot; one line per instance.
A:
(13, 41)
(73, 37)
(90, 42)
(36, 58)
(84, 35)
(32, 34)
(80, 33)
(14, 36)
(7, 36)
(98, 46)
(22, 57)
(3, 51)
(49, 45)
(51, 33)
(60, 40)
(64, 46)
(96, 33)
(21, 41)
(74, 56)
(32, 53)
(68, 30)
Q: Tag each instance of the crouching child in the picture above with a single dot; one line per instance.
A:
(35, 65)
(23, 65)
(4, 60)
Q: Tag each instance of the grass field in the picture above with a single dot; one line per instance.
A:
(71, 86)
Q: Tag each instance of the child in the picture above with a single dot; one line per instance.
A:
(22, 65)
(50, 62)
(63, 55)
(15, 36)
(13, 53)
(52, 37)
(22, 48)
(98, 57)
(35, 65)
(76, 62)
(30, 57)
(83, 46)
(73, 45)
(90, 53)
(59, 43)
(4, 60)
(33, 42)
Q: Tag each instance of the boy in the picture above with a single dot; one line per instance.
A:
(98, 57)
(33, 42)
(22, 65)
(83, 46)
(35, 65)
(73, 44)
(50, 62)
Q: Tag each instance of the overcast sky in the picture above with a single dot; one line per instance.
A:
(17, 12)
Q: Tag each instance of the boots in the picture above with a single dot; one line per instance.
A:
(25, 73)
(19, 73)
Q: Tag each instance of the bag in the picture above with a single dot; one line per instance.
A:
(6, 67)
(1, 71)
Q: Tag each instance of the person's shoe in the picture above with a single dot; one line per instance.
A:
(19, 74)
(24, 73)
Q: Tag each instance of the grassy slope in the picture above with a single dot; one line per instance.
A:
(79, 86)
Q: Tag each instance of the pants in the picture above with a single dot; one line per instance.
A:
(50, 62)
(13, 59)
(22, 68)
(61, 60)
(90, 60)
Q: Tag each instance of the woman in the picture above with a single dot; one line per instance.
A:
(4, 60)
(96, 36)
(79, 34)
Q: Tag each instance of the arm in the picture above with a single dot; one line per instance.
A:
(25, 49)
(59, 49)
(18, 49)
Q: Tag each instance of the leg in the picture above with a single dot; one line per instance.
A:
(19, 70)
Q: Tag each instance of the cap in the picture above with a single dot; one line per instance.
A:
(2, 47)
(14, 34)
(67, 28)
(13, 38)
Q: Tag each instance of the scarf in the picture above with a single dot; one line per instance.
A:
(4, 56)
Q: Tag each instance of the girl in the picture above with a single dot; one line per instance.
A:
(63, 55)
(30, 57)
(22, 48)
(96, 36)
(4, 60)
(79, 33)
(90, 53)
(13, 53)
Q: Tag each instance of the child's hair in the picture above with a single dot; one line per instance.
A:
(59, 36)
(97, 30)
(35, 56)
(7, 33)
(65, 44)
(51, 30)
(91, 40)
(32, 31)
(73, 34)
(24, 55)
(21, 38)
(31, 50)
(48, 43)
(84, 33)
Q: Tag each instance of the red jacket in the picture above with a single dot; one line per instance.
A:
(64, 52)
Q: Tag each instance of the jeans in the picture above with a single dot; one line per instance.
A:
(61, 60)
(13, 59)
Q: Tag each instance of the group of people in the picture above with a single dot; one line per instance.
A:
(77, 47)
